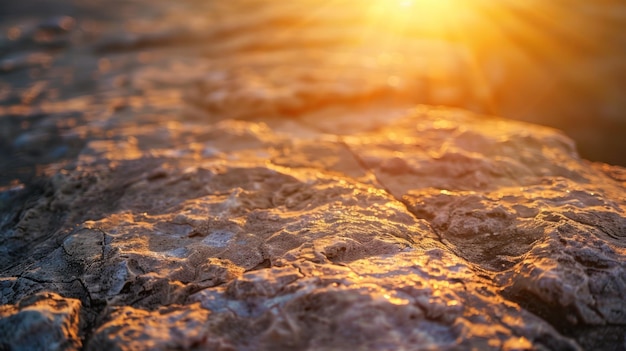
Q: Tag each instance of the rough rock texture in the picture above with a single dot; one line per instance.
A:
(443, 230)
(285, 209)
(44, 321)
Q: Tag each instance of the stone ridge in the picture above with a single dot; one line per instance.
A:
(443, 230)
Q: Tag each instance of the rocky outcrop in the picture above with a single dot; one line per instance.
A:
(442, 229)
(282, 209)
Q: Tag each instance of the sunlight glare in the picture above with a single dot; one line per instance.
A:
(422, 15)
(433, 6)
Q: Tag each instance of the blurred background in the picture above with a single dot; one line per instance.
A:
(72, 71)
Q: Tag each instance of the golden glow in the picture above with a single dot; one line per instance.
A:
(417, 15)
(500, 39)
(426, 5)
(508, 58)
(435, 7)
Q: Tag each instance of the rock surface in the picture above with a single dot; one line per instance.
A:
(44, 321)
(277, 207)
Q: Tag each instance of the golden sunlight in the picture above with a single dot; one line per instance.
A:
(433, 6)
(421, 15)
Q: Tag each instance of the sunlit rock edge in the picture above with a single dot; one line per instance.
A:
(437, 230)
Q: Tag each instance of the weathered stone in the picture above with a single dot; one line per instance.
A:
(44, 321)
(256, 243)
(172, 327)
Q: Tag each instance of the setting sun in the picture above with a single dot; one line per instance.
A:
(430, 16)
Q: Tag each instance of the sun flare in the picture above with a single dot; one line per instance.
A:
(435, 17)
(437, 6)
